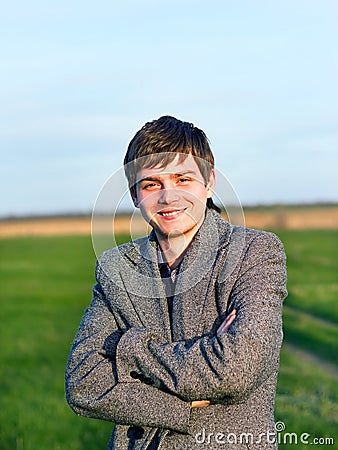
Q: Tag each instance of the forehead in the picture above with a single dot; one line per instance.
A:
(175, 167)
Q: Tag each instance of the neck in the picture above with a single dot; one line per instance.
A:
(174, 247)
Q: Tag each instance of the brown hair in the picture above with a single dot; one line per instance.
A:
(159, 141)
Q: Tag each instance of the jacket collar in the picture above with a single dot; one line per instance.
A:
(213, 234)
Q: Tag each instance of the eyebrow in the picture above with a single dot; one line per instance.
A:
(172, 175)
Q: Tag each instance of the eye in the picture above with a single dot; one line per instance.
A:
(150, 185)
(183, 180)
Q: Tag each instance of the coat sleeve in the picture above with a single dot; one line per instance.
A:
(92, 385)
(230, 367)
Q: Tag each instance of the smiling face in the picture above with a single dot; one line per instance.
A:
(173, 198)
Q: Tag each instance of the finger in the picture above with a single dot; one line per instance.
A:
(200, 403)
(223, 328)
(227, 323)
(230, 317)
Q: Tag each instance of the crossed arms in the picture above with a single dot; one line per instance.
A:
(223, 328)
(135, 378)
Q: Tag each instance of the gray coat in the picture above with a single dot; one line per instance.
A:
(129, 367)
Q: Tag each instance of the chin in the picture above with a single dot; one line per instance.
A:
(175, 232)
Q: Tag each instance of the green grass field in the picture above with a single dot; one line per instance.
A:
(46, 284)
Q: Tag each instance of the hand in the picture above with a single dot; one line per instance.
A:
(200, 403)
(224, 327)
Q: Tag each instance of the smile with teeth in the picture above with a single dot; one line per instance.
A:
(170, 213)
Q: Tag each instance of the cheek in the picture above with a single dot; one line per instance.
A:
(199, 196)
(146, 200)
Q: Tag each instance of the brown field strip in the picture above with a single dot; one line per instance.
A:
(293, 219)
(284, 218)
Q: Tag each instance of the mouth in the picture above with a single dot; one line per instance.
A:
(171, 213)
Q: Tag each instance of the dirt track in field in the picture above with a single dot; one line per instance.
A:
(284, 218)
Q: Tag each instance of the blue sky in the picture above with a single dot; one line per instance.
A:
(78, 79)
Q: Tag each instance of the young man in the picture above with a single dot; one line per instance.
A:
(180, 346)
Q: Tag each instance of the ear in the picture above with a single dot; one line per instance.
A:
(211, 183)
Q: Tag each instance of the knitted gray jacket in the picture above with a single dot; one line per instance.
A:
(129, 367)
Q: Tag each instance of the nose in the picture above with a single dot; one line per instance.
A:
(168, 195)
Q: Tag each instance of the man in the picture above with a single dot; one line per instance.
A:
(180, 346)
